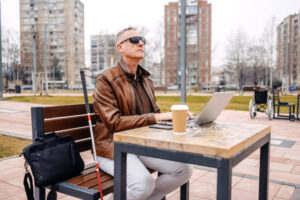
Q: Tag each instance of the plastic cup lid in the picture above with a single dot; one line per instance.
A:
(179, 107)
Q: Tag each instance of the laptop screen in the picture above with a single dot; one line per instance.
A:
(214, 107)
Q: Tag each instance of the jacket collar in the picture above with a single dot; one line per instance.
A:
(141, 72)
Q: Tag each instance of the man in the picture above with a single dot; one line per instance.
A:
(124, 99)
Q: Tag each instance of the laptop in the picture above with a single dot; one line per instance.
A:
(214, 107)
(210, 112)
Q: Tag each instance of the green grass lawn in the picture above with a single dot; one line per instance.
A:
(10, 146)
(195, 103)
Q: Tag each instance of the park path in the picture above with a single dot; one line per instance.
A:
(284, 159)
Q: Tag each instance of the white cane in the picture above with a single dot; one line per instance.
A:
(87, 107)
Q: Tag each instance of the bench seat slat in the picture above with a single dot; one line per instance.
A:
(65, 110)
(86, 173)
(86, 177)
(56, 124)
(94, 182)
(108, 185)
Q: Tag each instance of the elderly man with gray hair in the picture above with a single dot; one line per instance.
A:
(124, 99)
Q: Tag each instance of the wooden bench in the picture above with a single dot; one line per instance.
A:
(277, 104)
(160, 89)
(249, 89)
(72, 120)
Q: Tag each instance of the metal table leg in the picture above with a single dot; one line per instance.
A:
(264, 172)
(120, 166)
(184, 191)
(224, 179)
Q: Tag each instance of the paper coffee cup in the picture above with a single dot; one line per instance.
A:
(179, 118)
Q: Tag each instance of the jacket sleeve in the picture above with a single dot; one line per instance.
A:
(108, 109)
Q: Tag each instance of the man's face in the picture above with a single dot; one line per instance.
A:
(128, 49)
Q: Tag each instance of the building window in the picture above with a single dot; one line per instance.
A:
(101, 61)
(26, 20)
(192, 37)
(52, 19)
(94, 43)
(60, 19)
(191, 10)
(51, 26)
(26, 28)
(60, 5)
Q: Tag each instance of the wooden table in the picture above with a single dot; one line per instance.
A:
(222, 146)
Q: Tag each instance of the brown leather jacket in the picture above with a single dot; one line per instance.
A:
(114, 103)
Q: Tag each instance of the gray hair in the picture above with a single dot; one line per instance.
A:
(120, 33)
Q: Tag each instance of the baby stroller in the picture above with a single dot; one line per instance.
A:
(261, 102)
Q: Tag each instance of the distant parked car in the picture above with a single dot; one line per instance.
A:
(26, 87)
(77, 87)
(231, 87)
(90, 87)
(173, 87)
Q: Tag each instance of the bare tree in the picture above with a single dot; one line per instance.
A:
(143, 30)
(269, 42)
(236, 54)
(156, 53)
(256, 55)
(11, 55)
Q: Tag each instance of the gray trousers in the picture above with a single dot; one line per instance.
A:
(141, 185)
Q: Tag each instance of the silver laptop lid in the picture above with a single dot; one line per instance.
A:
(214, 107)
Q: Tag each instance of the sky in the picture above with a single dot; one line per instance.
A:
(110, 16)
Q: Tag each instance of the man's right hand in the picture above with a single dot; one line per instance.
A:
(163, 116)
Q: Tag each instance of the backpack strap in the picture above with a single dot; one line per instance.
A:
(28, 186)
(52, 194)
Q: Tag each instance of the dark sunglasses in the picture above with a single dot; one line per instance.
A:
(135, 40)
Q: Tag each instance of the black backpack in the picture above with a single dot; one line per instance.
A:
(52, 159)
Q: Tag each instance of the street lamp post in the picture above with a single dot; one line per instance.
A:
(34, 66)
(46, 59)
(183, 52)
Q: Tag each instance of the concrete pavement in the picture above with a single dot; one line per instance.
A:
(284, 159)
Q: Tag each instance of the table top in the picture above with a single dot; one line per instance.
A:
(218, 139)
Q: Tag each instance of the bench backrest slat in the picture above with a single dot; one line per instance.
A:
(65, 110)
(55, 124)
(66, 119)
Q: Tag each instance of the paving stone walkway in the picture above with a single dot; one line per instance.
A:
(284, 159)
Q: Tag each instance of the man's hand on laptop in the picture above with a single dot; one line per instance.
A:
(163, 116)
(190, 115)
(168, 116)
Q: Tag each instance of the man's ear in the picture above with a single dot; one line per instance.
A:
(119, 47)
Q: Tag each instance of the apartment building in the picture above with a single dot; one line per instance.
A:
(103, 51)
(288, 50)
(198, 43)
(52, 35)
